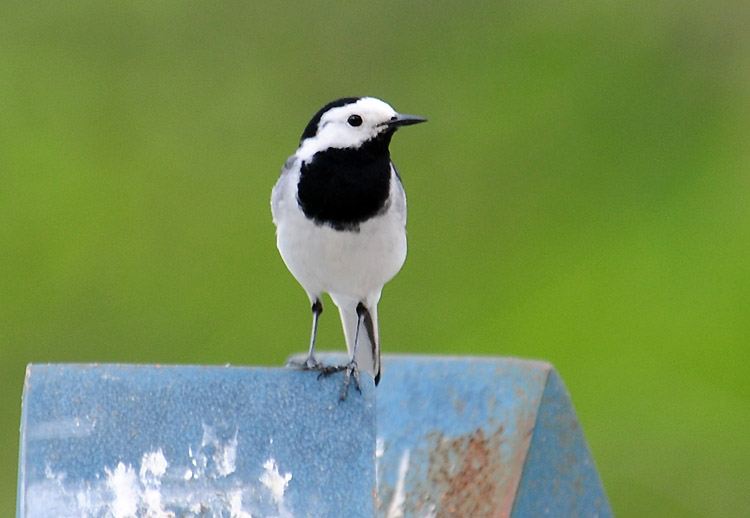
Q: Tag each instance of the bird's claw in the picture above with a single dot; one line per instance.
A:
(350, 371)
(310, 364)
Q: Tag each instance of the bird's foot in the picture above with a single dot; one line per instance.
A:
(351, 371)
(310, 364)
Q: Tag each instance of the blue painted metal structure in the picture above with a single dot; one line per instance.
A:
(124, 441)
(478, 436)
(455, 437)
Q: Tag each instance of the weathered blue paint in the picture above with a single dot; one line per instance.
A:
(455, 437)
(139, 440)
(559, 475)
(481, 437)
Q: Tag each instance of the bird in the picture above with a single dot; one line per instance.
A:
(339, 208)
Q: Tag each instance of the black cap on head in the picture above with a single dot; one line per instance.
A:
(312, 127)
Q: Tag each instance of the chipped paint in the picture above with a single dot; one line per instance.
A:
(396, 509)
(123, 484)
(216, 456)
(274, 481)
(156, 489)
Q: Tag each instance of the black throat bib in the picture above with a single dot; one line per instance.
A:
(343, 188)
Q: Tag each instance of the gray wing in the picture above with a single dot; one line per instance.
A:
(280, 191)
(398, 195)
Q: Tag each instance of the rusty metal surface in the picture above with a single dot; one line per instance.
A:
(453, 434)
(458, 437)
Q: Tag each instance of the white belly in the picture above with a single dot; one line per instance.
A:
(349, 263)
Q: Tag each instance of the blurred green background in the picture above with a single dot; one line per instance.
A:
(579, 195)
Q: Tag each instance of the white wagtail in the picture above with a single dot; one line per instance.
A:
(340, 213)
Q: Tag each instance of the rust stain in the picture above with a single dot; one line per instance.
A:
(465, 477)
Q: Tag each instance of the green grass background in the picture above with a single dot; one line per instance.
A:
(579, 195)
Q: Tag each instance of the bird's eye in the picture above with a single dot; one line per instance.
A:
(354, 120)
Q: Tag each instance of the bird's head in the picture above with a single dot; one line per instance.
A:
(351, 122)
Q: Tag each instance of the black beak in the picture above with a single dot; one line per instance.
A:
(401, 119)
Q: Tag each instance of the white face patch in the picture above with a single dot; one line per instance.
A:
(335, 131)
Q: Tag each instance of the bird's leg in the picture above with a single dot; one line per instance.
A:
(350, 369)
(317, 309)
(311, 363)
